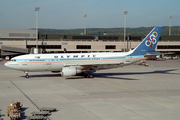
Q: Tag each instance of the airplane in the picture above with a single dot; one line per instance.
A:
(70, 64)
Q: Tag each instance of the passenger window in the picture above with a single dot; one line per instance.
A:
(55, 56)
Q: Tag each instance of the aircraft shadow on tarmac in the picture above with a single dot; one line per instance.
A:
(43, 75)
(109, 75)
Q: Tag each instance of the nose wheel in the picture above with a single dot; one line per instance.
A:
(27, 76)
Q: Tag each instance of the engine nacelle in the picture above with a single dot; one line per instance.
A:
(70, 71)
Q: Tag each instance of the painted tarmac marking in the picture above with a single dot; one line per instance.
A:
(133, 91)
(28, 98)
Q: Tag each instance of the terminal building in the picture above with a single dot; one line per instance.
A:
(17, 42)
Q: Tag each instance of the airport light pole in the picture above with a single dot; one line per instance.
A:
(85, 23)
(36, 9)
(170, 18)
(125, 14)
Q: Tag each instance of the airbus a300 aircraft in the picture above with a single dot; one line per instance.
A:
(74, 63)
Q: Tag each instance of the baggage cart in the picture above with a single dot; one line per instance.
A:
(41, 113)
(49, 109)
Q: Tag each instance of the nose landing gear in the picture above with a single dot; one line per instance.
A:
(27, 76)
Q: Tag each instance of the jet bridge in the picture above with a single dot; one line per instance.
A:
(12, 51)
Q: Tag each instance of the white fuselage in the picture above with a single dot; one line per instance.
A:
(55, 62)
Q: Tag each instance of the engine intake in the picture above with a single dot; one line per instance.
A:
(70, 71)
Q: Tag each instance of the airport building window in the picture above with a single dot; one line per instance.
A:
(110, 47)
(45, 46)
(108, 37)
(168, 47)
(135, 38)
(83, 37)
(83, 46)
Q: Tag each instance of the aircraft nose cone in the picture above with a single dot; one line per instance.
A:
(6, 64)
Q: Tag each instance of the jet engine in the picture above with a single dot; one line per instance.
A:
(70, 71)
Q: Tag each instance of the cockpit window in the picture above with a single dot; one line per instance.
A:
(13, 60)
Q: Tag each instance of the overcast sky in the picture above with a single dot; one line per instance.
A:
(68, 14)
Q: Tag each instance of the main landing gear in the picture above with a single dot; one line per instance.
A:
(27, 76)
(88, 75)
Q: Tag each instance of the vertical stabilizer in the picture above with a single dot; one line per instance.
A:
(149, 42)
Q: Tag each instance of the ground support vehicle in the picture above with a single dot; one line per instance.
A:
(16, 104)
(13, 113)
(143, 63)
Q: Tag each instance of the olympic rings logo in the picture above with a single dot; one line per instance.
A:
(152, 39)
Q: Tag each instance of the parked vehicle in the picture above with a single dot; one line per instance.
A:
(13, 113)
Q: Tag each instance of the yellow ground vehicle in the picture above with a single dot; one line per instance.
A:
(13, 113)
(16, 104)
(13, 110)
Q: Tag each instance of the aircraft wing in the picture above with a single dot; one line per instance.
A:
(95, 65)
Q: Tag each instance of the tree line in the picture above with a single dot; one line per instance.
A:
(175, 30)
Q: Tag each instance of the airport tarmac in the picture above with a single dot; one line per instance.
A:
(128, 93)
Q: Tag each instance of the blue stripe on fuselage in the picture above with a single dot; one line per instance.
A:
(78, 59)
